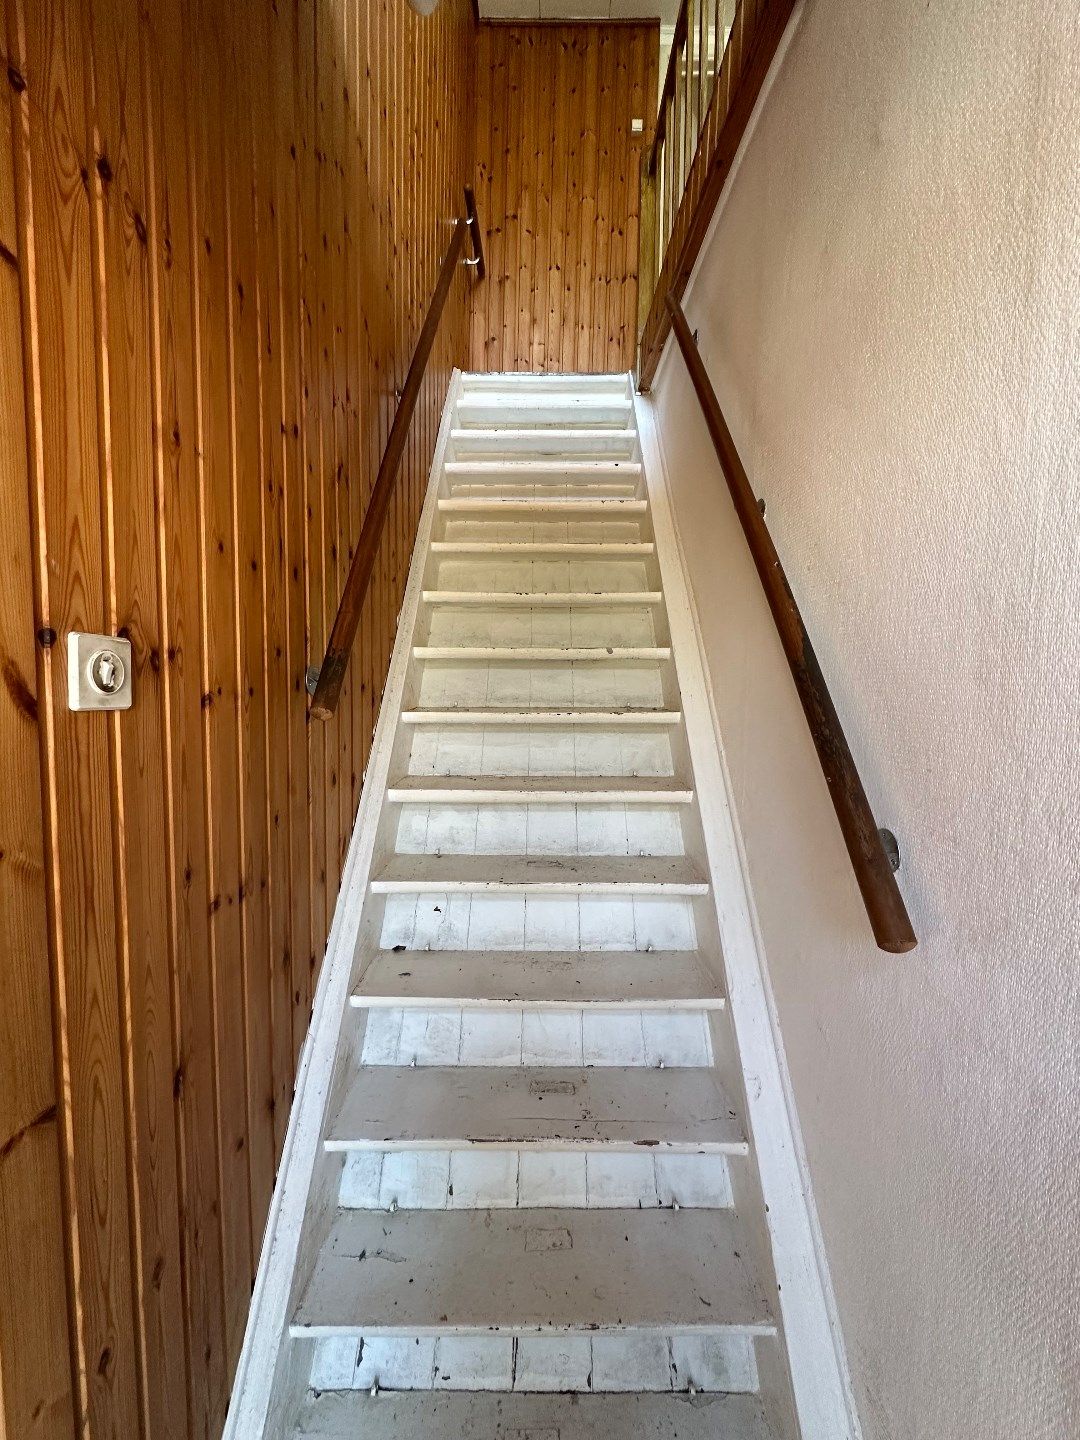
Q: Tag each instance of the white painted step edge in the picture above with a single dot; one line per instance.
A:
(614, 548)
(555, 505)
(538, 980)
(477, 381)
(663, 718)
(532, 469)
(476, 794)
(496, 436)
(548, 598)
(541, 653)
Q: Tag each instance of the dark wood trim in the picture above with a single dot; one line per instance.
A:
(702, 194)
(339, 646)
(472, 219)
(889, 918)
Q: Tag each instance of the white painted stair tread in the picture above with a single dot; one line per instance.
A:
(641, 979)
(475, 382)
(553, 505)
(543, 547)
(572, 443)
(423, 1272)
(541, 717)
(506, 408)
(544, 469)
(543, 874)
(555, 598)
(527, 654)
(629, 1109)
(432, 1415)
(555, 789)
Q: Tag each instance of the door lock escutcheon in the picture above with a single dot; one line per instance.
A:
(99, 672)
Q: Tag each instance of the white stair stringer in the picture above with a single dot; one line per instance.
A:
(522, 1184)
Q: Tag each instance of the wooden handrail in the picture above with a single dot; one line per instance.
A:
(889, 918)
(331, 675)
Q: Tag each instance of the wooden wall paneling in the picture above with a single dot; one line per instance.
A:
(49, 46)
(119, 224)
(558, 187)
(339, 312)
(268, 144)
(386, 248)
(284, 24)
(208, 387)
(361, 221)
(580, 302)
(563, 339)
(506, 357)
(326, 475)
(486, 121)
(396, 296)
(380, 381)
(631, 64)
(249, 468)
(36, 1391)
(351, 309)
(614, 202)
(220, 666)
(545, 226)
(167, 81)
(553, 208)
(529, 153)
(505, 100)
(316, 563)
(632, 82)
(350, 396)
(606, 194)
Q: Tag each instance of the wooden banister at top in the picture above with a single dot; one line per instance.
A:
(667, 94)
(331, 675)
(705, 108)
(885, 907)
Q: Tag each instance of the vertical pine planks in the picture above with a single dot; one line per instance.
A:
(175, 320)
(49, 47)
(219, 229)
(120, 210)
(559, 192)
(35, 1359)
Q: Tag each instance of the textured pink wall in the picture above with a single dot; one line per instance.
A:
(890, 310)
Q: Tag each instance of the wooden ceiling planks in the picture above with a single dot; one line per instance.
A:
(559, 191)
(219, 227)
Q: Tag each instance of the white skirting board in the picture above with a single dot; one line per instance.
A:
(249, 1414)
(816, 1354)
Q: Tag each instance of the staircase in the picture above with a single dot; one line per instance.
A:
(519, 1198)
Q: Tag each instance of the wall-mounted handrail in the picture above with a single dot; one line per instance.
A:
(889, 918)
(331, 674)
(473, 221)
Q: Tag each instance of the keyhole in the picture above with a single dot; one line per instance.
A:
(107, 672)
